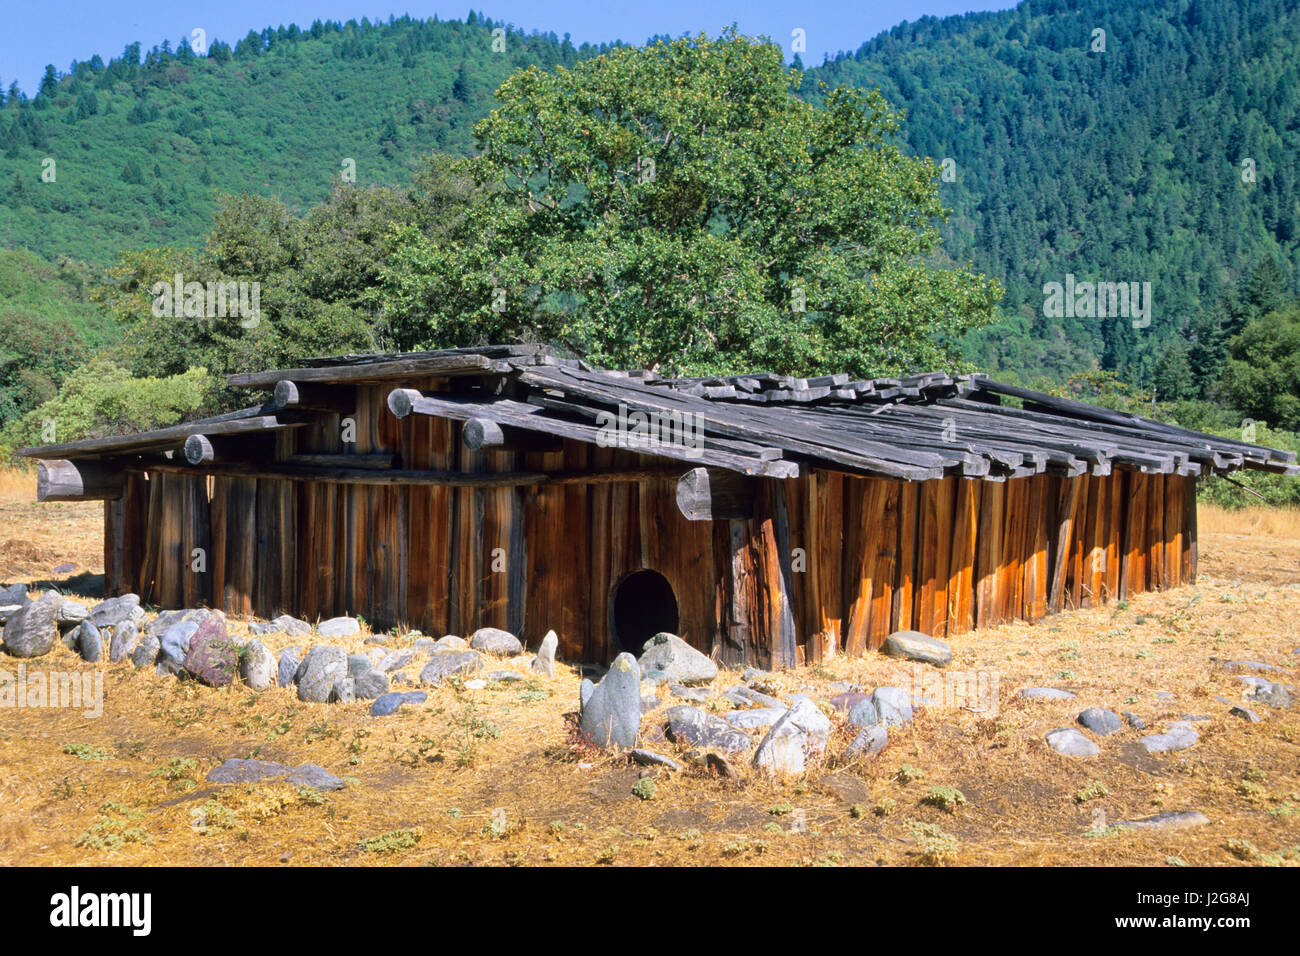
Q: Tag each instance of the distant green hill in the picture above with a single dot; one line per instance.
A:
(140, 148)
(1117, 165)
(47, 328)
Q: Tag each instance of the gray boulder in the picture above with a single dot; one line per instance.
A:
(146, 650)
(696, 695)
(648, 758)
(344, 692)
(1070, 742)
(800, 735)
(338, 627)
(916, 646)
(1134, 721)
(358, 664)
(253, 771)
(391, 702)
(370, 684)
(1178, 736)
(71, 613)
(870, 741)
(611, 711)
(114, 611)
(175, 645)
(544, 662)
(759, 719)
(322, 668)
(444, 664)
(1245, 713)
(257, 666)
(893, 706)
(284, 624)
(1049, 693)
(14, 594)
(493, 640)
(30, 631)
(1169, 820)
(585, 690)
(1100, 720)
(288, 669)
(394, 660)
(680, 663)
(688, 724)
(448, 642)
(125, 635)
(90, 643)
(864, 714)
(743, 696)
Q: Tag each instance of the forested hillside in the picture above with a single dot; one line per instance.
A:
(141, 144)
(1123, 156)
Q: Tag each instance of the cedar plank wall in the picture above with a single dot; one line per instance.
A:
(828, 563)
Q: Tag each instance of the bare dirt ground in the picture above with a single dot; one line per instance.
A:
(494, 776)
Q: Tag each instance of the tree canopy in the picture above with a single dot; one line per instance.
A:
(680, 205)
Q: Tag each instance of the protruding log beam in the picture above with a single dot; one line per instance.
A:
(402, 401)
(483, 434)
(315, 398)
(708, 494)
(63, 480)
(210, 449)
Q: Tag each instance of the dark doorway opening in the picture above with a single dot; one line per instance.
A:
(644, 605)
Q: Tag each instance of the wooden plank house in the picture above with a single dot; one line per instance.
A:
(766, 519)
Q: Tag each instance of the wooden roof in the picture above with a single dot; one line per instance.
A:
(917, 427)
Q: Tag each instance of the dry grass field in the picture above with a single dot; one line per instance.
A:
(494, 776)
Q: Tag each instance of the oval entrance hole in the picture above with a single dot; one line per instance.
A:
(644, 605)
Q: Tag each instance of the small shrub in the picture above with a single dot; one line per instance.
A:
(1092, 791)
(394, 841)
(645, 788)
(780, 810)
(937, 845)
(945, 798)
(907, 773)
(86, 752)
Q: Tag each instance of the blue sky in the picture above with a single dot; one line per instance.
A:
(60, 31)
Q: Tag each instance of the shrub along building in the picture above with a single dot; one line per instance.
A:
(766, 519)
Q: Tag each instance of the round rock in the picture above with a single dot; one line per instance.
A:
(917, 646)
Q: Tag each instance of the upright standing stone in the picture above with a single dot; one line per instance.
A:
(611, 713)
(544, 663)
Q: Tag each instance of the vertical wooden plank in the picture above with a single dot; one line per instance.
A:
(1099, 516)
(240, 545)
(1155, 544)
(830, 560)
(1086, 534)
(861, 504)
(1172, 545)
(1033, 600)
(884, 537)
(1067, 503)
(1190, 544)
(196, 542)
(1114, 533)
(908, 522)
(961, 565)
(1134, 571)
(989, 553)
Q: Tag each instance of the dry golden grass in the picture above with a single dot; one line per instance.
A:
(1272, 522)
(493, 775)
